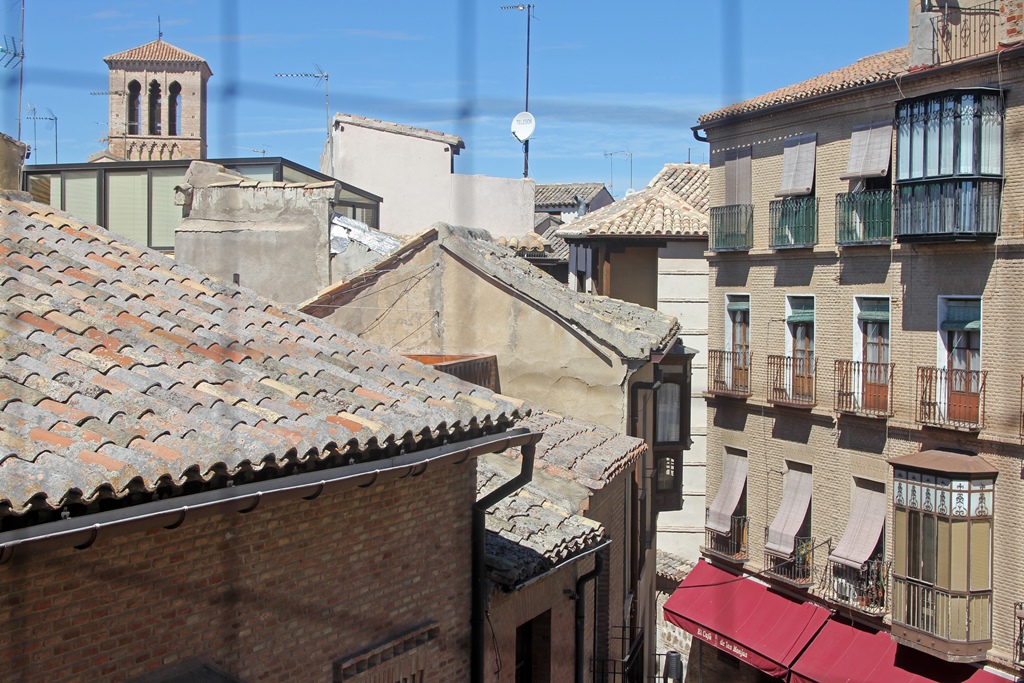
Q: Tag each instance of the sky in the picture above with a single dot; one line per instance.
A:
(615, 86)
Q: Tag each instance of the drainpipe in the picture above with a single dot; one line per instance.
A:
(581, 609)
(696, 134)
(480, 583)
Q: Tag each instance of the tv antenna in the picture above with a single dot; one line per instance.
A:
(611, 169)
(12, 54)
(261, 152)
(319, 75)
(526, 109)
(34, 116)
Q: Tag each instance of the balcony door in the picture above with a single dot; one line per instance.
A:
(875, 382)
(740, 350)
(964, 383)
(803, 361)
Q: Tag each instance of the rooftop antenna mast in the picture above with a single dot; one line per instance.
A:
(159, 29)
(12, 54)
(261, 152)
(320, 75)
(526, 143)
(611, 169)
(52, 117)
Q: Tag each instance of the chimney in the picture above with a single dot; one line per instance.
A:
(923, 20)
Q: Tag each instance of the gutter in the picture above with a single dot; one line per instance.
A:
(581, 609)
(82, 532)
(480, 583)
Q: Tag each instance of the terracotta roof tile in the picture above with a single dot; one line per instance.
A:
(877, 68)
(99, 373)
(454, 141)
(558, 195)
(155, 51)
(690, 182)
(651, 212)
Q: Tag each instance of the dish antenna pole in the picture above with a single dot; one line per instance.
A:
(320, 75)
(526, 109)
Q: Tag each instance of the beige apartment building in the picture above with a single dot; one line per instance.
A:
(866, 262)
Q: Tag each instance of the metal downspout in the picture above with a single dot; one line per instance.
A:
(581, 610)
(480, 583)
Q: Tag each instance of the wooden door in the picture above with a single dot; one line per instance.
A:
(964, 378)
(875, 377)
(740, 351)
(803, 362)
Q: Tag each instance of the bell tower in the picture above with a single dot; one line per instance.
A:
(157, 103)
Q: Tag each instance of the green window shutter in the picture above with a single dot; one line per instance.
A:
(874, 310)
(963, 314)
(801, 309)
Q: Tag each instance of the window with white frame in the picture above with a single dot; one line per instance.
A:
(800, 323)
(872, 352)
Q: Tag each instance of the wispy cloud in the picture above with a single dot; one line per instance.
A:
(384, 35)
(257, 38)
(110, 14)
(144, 24)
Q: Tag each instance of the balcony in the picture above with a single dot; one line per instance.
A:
(863, 589)
(959, 622)
(954, 399)
(964, 32)
(796, 569)
(732, 228)
(793, 223)
(731, 548)
(863, 388)
(1018, 633)
(791, 381)
(864, 218)
(729, 373)
(948, 210)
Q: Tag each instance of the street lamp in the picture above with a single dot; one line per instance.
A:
(526, 143)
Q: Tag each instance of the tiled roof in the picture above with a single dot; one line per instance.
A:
(530, 243)
(454, 141)
(564, 194)
(535, 528)
(559, 247)
(690, 182)
(156, 51)
(884, 66)
(631, 331)
(125, 373)
(587, 454)
(651, 212)
(672, 566)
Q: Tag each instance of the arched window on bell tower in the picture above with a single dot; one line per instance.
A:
(174, 109)
(154, 108)
(134, 107)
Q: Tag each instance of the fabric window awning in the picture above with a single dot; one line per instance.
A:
(734, 479)
(796, 496)
(962, 314)
(737, 176)
(738, 305)
(801, 309)
(870, 148)
(744, 618)
(798, 165)
(874, 310)
(867, 517)
(846, 653)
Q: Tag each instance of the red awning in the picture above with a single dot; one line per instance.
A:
(846, 654)
(744, 618)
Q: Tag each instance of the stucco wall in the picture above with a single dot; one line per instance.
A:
(275, 239)
(12, 158)
(415, 178)
(635, 276)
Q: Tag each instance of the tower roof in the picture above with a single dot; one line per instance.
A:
(155, 51)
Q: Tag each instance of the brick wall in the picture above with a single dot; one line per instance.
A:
(507, 611)
(840, 447)
(273, 595)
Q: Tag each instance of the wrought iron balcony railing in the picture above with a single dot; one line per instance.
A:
(947, 210)
(963, 32)
(952, 616)
(864, 217)
(729, 373)
(1018, 633)
(798, 568)
(732, 228)
(864, 589)
(863, 388)
(793, 222)
(951, 398)
(732, 548)
(791, 380)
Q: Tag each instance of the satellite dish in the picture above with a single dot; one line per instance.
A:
(523, 126)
